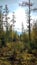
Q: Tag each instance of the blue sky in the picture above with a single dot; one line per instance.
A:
(13, 5)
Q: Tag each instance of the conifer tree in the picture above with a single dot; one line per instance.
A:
(13, 21)
(6, 12)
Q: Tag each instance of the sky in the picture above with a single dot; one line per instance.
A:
(20, 12)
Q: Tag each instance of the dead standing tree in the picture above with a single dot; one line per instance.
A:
(29, 4)
(22, 28)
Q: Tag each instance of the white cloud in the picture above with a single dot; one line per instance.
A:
(20, 16)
